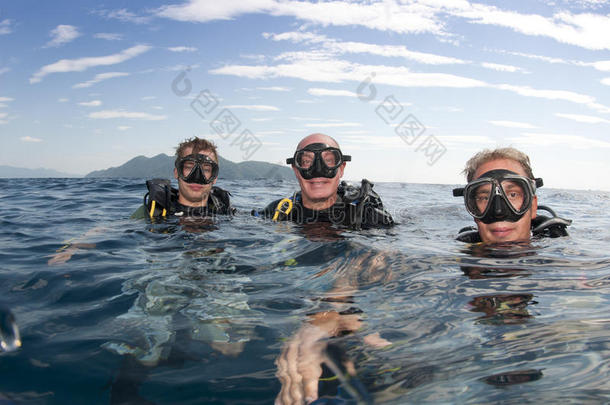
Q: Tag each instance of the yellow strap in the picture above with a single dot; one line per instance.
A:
(284, 206)
(152, 209)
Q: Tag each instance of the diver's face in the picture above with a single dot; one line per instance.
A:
(193, 194)
(504, 231)
(318, 189)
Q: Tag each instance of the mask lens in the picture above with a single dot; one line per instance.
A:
(187, 167)
(331, 158)
(304, 159)
(479, 197)
(516, 194)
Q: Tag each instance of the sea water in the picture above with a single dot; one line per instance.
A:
(197, 312)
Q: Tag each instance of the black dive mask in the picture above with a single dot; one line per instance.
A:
(499, 195)
(197, 168)
(318, 160)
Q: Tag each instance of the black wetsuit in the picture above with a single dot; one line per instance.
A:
(165, 198)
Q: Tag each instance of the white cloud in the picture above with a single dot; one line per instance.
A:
(63, 100)
(329, 92)
(62, 34)
(253, 107)
(465, 139)
(4, 70)
(602, 65)
(316, 67)
(123, 128)
(512, 124)
(81, 64)
(109, 36)
(3, 115)
(335, 71)
(92, 103)
(296, 36)
(564, 95)
(588, 119)
(30, 139)
(591, 31)
(109, 114)
(543, 58)
(384, 16)
(98, 78)
(125, 16)
(6, 99)
(182, 49)
(275, 88)
(333, 124)
(606, 81)
(5, 27)
(394, 51)
(502, 68)
(572, 141)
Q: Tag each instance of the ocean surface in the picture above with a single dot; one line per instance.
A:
(192, 312)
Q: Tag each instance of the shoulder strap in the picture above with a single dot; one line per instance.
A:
(469, 234)
(160, 197)
(368, 206)
(221, 202)
(554, 226)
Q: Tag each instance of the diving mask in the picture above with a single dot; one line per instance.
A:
(499, 195)
(197, 168)
(318, 160)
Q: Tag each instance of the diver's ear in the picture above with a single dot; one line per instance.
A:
(175, 173)
(534, 206)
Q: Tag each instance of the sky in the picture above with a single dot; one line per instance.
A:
(410, 89)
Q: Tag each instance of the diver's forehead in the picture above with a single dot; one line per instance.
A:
(189, 151)
(500, 164)
(323, 139)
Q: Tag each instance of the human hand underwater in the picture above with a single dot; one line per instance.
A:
(299, 367)
(72, 246)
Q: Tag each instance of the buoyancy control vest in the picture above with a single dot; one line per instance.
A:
(356, 207)
(162, 200)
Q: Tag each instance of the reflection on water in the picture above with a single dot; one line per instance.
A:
(183, 311)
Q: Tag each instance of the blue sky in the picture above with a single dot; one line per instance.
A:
(411, 89)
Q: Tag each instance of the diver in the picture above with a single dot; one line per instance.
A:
(196, 169)
(501, 197)
(318, 165)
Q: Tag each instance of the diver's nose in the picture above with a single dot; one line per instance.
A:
(499, 207)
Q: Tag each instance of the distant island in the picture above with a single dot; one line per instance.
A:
(162, 166)
(23, 173)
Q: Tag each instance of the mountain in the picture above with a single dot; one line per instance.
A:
(22, 173)
(162, 166)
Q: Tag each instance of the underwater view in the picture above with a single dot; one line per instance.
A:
(200, 311)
